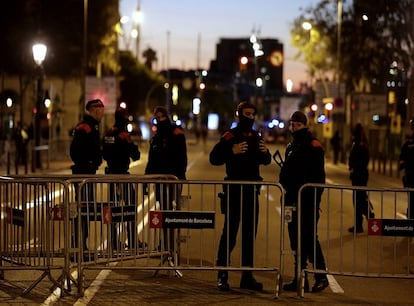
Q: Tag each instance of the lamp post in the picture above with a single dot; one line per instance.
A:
(167, 84)
(39, 55)
(257, 51)
(137, 17)
(340, 99)
(131, 30)
(338, 48)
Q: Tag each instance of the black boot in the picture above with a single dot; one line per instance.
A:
(293, 285)
(222, 281)
(249, 282)
(320, 284)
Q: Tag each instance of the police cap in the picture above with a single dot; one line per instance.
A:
(94, 103)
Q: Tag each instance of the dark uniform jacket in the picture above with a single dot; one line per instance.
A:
(118, 149)
(304, 163)
(243, 166)
(358, 164)
(85, 149)
(407, 161)
(168, 152)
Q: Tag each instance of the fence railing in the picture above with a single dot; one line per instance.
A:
(385, 248)
(126, 222)
(61, 227)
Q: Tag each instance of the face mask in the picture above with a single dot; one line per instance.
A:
(245, 123)
(163, 126)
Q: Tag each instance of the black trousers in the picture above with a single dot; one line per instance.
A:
(87, 196)
(123, 194)
(167, 195)
(362, 205)
(311, 250)
(243, 207)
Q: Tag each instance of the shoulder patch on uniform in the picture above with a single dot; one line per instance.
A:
(178, 131)
(84, 126)
(124, 136)
(228, 135)
(316, 143)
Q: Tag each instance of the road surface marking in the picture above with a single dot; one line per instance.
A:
(96, 284)
(333, 284)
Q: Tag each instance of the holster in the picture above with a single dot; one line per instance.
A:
(223, 202)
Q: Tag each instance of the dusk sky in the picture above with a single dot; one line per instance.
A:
(195, 27)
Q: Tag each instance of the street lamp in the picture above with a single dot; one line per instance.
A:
(307, 26)
(39, 55)
(257, 51)
(338, 48)
(137, 17)
(131, 29)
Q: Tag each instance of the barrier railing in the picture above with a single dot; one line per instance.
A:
(383, 250)
(161, 223)
(32, 236)
(65, 226)
(173, 226)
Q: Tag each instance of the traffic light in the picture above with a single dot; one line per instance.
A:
(313, 109)
(328, 106)
(328, 111)
(244, 61)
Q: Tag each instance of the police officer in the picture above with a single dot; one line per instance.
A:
(304, 163)
(86, 153)
(242, 150)
(406, 163)
(85, 149)
(358, 161)
(118, 150)
(118, 147)
(168, 149)
(167, 155)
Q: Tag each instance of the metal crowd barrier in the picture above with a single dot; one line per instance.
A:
(383, 250)
(65, 226)
(32, 233)
(175, 225)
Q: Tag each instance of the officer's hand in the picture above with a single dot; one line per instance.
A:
(239, 148)
(262, 146)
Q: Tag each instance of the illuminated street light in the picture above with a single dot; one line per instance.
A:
(47, 102)
(307, 26)
(133, 30)
(329, 106)
(137, 17)
(259, 82)
(39, 55)
(257, 51)
(9, 102)
(196, 106)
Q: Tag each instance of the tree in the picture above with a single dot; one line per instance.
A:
(374, 34)
(60, 25)
(137, 81)
(315, 44)
(150, 56)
